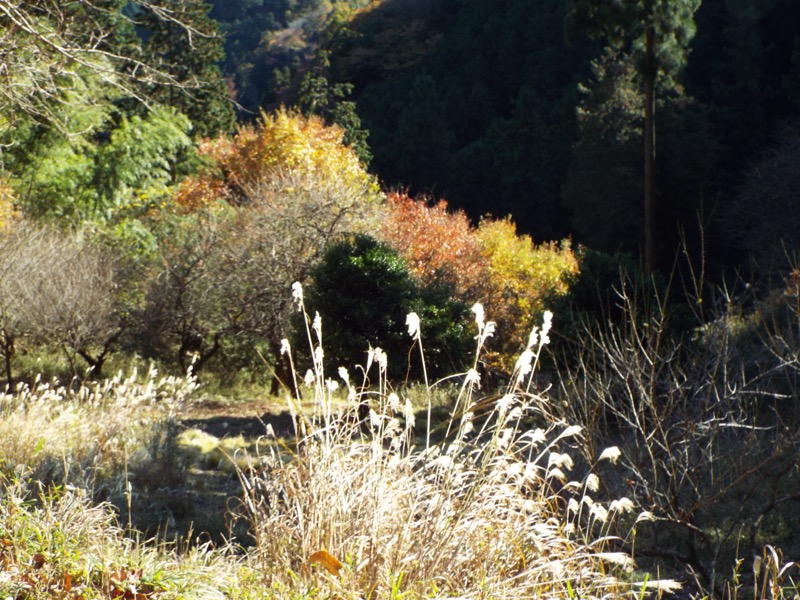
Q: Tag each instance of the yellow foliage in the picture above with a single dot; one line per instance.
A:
(283, 146)
(8, 210)
(519, 278)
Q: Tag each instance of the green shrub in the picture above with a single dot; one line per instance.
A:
(363, 291)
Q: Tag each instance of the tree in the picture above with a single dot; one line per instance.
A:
(53, 49)
(283, 144)
(56, 288)
(104, 168)
(438, 245)
(285, 189)
(319, 96)
(657, 34)
(183, 317)
(510, 275)
(380, 293)
(187, 47)
(83, 135)
(770, 234)
(603, 186)
(71, 299)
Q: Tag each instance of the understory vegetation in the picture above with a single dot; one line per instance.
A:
(648, 466)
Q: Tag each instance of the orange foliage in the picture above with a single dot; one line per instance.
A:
(510, 275)
(434, 242)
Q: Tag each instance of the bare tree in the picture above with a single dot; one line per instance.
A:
(183, 316)
(15, 263)
(71, 297)
(705, 424)
(287, 223)
(56, 287)
(225, 280)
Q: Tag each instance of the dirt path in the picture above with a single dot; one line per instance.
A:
(230, 419)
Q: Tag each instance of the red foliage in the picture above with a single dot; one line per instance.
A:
(436, 243)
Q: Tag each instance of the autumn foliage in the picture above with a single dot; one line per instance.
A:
(509, 274)
(434, 242)
(8, 210)
(519, 278)
(283, 143)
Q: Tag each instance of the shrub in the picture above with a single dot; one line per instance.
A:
(707, 438)
(508, 273)
(363, 291)
(519, 280)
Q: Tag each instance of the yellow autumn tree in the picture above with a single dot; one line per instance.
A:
(282, 151)
(8, 210)
(519, 278)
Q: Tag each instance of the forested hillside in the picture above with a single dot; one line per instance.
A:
(503, 107)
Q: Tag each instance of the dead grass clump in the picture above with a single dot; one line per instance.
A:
(99, 436)
(356, 509)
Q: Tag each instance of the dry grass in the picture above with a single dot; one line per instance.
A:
(356, 509)
(60, 545)
(110, 438)
(367, 500)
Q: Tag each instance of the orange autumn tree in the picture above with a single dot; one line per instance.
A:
(435, 243)
(510, 275)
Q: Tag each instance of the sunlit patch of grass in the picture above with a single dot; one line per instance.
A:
(113, 438)
(370, 504)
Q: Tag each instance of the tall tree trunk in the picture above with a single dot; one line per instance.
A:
(649, 150)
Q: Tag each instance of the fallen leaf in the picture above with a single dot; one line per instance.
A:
(330, 563)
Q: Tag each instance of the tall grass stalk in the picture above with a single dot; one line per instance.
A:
(357, 509)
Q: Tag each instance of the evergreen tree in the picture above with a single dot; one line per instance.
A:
(656, 33)
(319, 96)
(188, 47)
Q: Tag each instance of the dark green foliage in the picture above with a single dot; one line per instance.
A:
(318, 96)
(190, 50)
(363, 291)
(603, 190)
(469, 99)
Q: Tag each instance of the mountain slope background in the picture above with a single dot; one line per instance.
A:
(495, 107)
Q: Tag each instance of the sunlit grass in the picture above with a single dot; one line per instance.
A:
(438, 490)
(369, 504)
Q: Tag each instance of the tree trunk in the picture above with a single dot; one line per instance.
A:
(649, 150)
(8, 351)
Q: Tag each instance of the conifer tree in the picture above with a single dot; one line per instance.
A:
(656, 33)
